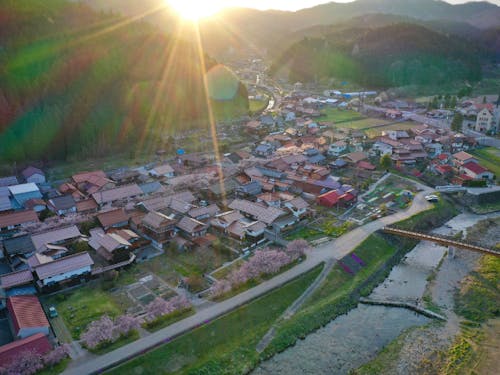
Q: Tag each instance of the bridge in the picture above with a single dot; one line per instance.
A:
(441, 240)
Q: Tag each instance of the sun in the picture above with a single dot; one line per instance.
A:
(194, 10)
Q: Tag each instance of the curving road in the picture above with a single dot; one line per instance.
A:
(332, 250)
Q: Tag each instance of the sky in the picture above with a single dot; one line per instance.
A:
(299, 4)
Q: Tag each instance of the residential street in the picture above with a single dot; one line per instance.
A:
(335, 249)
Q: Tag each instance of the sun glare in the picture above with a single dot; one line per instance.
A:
(195, 9)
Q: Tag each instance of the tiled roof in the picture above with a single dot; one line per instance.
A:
(8, 181)
(63, 265)
(462, 156)
(180, 206)
(157, 220)
(122, 192)
(298, 203)
(19, 245)
(94, 176)
(26, 312)
(210, 210)
(37, 343)
(17, 218)
(190, 225)
(474, 167)
(264, 214)
(64, 202)
(110, 218)
(12, 279)
(163, 169)
(86, 205)
(55, 236)
(30, 171)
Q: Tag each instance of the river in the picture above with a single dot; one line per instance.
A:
(355, 338)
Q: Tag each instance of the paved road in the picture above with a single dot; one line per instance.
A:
(335, 249)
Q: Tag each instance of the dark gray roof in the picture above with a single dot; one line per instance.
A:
(271, 173)
(19, 245)
(64, 202)
(152, 187)
(252, 188)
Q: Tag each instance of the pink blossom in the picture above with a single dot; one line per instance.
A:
(125, 324)
(26, 363)
(160, 307)
(98, 332)
(55, 356)
(296, 249)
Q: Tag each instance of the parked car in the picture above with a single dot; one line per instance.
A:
(432, 198)
(53, 312)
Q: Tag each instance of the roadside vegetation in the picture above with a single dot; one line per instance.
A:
(226, 345)
(341, 291)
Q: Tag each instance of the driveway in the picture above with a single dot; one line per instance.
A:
(332, 250)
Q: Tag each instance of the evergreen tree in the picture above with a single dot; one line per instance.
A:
(456, 124)
(386, 161)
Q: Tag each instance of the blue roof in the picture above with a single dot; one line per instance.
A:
(21, 291)
(150, 187)
(316, 159)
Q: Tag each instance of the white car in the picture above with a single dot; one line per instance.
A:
(432, 198)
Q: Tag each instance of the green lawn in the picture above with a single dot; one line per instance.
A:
(305, 233)
(489, 157)
(225, 346)
(340, 116)
(82, 306)
(227, 270)
(362, 123)
(258, 105)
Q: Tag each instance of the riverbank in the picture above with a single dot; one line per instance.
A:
(465, 289)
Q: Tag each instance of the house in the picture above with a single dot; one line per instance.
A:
(393, 114)
(5, 203)
(33, 175)
(264, 150)
(164, 170)
(92, 182)
(64, 269)
(37, 205)
(366, 166)
(24, 192)
(8, 181)
(337, 148)
(37, 343)
(251, 189)
(19, 245)
(113, 219)
(111, 246)
(15, 279)
(487, 121)
(462, 157)
(253, 126)
(123, 194)
(150, 188)
(87, 206)
(26, 316)
(270, 199)
(381, 148)
(192, 228)
(224, 189)
(202, 213)
(476, 171)
(297, 206)
(59, 236)
(159, 227)
(337, 198)
(15, 220)
(355, 157)
(256, 211)
(62, 205)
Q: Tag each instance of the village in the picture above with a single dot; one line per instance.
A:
(174, 233)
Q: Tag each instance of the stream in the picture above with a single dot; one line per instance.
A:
(353, 339)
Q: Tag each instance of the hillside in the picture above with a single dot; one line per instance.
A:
(393, 55)
(244, 30)
(75, 83)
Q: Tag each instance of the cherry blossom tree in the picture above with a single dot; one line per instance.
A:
(26, 363)
(297, 248)
(98, 332)
(125, 324)
(55, 356)
(220, 287)
(159, 307)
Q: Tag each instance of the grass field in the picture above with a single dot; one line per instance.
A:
(83, 306)
(225, 346)
(340, 115)
(256, 106)
(489, 157)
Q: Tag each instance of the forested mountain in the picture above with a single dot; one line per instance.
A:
(393, 55)
(245, 30)
(75, 82)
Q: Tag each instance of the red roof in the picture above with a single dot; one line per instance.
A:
(37, 343)
(366, 165)
(443, 169)
(347, 197)
(474, 167)
(26, 312)
(442, 157)
(329, 199)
